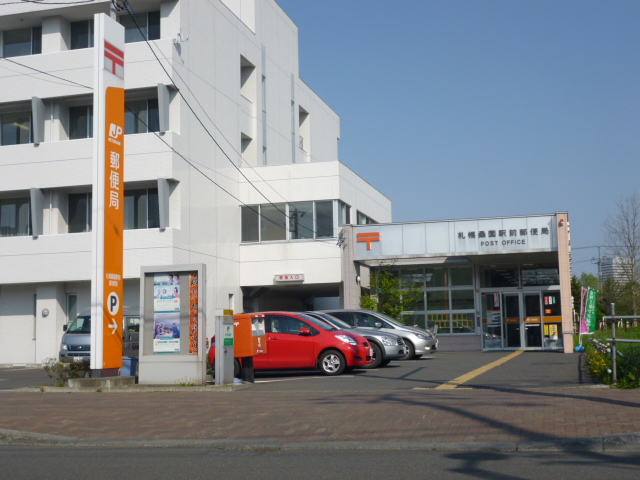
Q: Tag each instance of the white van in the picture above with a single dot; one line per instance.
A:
(76, 341)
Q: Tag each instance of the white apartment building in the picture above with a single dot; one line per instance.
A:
(231, 162)
(615, 269)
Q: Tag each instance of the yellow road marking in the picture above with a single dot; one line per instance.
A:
(478, 371)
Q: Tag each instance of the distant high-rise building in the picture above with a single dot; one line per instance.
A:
(612, 268)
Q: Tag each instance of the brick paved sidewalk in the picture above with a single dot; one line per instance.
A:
(459, 415)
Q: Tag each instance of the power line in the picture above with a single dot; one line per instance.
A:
(46, 73)
(145, 36)
(189, 162)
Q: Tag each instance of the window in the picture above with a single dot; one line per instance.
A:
(344, 214)
(493, 276)
(449, 298)
(293, 221)
(72, 306)
(141, 26)
(23, 41)
(272, 222)
(301, 220)
(250, 223)
(82, 34)
(16, 128)
(324, 219)
(364, 219)
(81, 122)
(540, 274)
(141, 209)
(15, 217)
(142, 116)
(79, 212)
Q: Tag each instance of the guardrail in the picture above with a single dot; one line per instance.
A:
(614, 341)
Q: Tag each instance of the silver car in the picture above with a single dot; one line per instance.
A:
(418, 341)
(385, 346)
(76, 341)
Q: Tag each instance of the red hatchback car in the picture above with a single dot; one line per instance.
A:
(297, 341)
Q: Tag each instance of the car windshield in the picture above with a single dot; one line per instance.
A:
(80, 325)
(334, 321)
(317, 322)
(392, 321)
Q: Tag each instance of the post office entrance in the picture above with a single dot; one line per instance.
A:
(519, 320)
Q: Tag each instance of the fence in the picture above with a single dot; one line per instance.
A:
(613, 320)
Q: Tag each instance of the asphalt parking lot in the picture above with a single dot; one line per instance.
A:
(520, 370)
(479, 370)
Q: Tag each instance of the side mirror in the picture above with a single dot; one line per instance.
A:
(64, 327)
(378, 324)
(305, 331)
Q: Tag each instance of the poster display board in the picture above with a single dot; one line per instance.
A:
(172, 332)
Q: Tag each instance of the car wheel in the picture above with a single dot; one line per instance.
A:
(377, 356)
(409, 350)
(384, 363)
(332, 362)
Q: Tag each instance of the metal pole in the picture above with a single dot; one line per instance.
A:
(614, 352)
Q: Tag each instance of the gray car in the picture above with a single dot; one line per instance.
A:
(418, 341)
(76, 341)
(385, 346)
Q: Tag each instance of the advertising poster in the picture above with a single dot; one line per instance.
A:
(166, 313)
(193, 313)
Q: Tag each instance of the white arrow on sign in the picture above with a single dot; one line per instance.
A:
(113, 326)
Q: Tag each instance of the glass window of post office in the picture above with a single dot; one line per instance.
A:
(540, 274)
(79, 212)
(141, 26)
(495, 276)
(81, 122)
(22, 41)
(16, 128)
(412, 277)
(81, 34)
(273, 225)
(437, 277)
(461, 276)
(301, 220)
(141, 209)
(15, 217)
(141, 116)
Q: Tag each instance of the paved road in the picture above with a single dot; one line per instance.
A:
(532, 397)
(106, 463)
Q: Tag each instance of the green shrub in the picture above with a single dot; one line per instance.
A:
(627, 365)
(61, 372)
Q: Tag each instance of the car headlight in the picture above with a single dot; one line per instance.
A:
(421, 337)
(347, 339)
(64, 346)
(390, 341)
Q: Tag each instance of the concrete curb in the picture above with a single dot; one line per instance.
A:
(609, 443)
(136, 389)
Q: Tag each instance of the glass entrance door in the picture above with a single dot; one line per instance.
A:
(491, 320)
(532, 320)
(512, 320)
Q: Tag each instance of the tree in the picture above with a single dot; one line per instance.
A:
(389, 294)
(622, 233)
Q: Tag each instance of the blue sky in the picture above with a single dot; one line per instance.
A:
(466, 109)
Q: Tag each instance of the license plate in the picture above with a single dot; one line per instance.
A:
(78, 359)
(371, 352)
